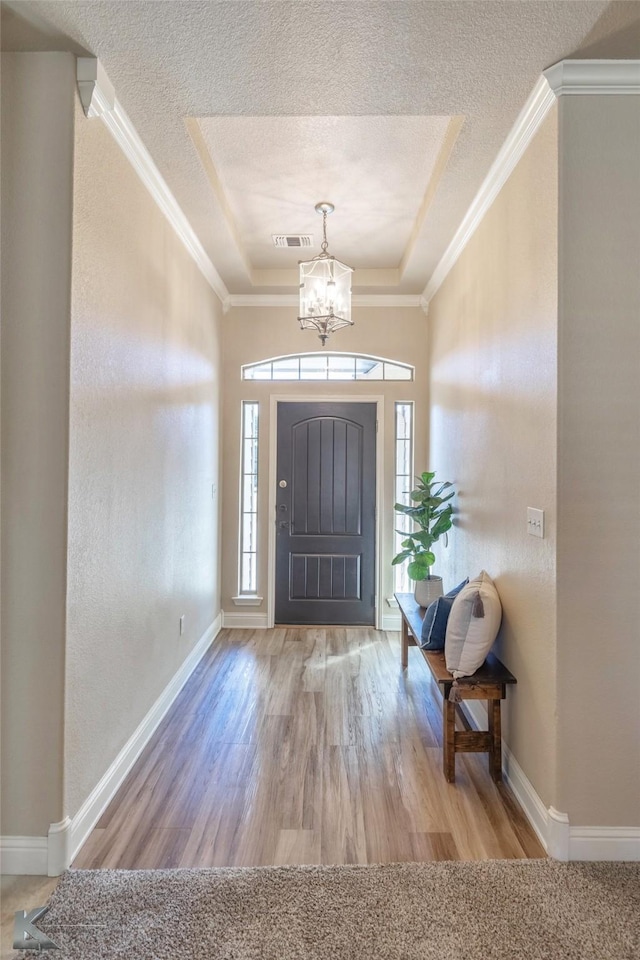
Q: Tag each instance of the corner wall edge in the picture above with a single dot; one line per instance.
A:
(552, 827)
(99, 100)
(527, 124)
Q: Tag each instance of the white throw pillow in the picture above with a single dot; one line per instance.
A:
(473, 626)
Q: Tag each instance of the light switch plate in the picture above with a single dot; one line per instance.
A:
(535, 522)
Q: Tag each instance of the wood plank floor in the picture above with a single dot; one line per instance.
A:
(305, 745)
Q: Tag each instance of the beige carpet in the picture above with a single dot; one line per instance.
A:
(534, 910)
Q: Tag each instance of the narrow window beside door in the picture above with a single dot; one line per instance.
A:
(403, 486)
(249, 499)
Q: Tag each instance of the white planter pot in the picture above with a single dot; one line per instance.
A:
(427, 591)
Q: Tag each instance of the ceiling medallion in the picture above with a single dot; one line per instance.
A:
(325, 288)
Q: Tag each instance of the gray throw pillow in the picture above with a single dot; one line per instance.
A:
(434, 625)
(472, 626)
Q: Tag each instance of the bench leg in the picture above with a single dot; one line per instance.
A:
(449, 739)
(495, 732)
(405, 644)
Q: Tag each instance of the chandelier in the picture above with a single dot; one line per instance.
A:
(325, 288)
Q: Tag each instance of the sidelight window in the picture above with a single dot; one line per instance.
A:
(249, 499)
(403, 485)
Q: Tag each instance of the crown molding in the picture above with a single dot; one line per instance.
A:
(389, 300)
(565, 77)
(99, 100)
(97, 94)
(520, 136)
(589, 77)
(568, 77)
(292, 300)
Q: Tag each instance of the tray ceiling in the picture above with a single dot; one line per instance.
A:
(272, 170)
(254, 111)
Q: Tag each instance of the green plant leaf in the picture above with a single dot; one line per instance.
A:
(406, 536)
(441, 510)
(440, 489)
(414, 512)
(438, 501)
(401, 557)
(424, 538)
(418, 569)
(431, 513)
(444, 523)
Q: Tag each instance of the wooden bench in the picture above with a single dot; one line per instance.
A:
(488, 683)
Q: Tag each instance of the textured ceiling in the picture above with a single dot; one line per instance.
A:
(171, 61)
(375, 170)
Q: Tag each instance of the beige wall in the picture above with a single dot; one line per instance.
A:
(143, 478)
(599, 461)
(492, 331)
(534, 355)
(252, 334)
(37, 157)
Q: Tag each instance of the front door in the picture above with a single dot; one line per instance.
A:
(326, 513)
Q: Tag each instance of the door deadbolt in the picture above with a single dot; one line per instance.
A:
(282, 484)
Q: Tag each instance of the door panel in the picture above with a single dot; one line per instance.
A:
(325, 577)
(327, 480)
(325, 513)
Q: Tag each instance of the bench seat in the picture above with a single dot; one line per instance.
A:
(488, 683)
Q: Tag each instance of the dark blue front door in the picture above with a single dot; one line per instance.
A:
(325, 513)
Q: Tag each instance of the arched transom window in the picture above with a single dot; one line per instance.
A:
(328, 366)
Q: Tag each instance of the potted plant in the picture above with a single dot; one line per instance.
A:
(431, 512)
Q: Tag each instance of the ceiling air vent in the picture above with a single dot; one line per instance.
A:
(292, 239)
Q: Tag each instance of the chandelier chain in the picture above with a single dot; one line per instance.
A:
(324, 245)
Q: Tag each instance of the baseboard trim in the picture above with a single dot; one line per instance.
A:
(525, 793)
(604, 843)
(58, 854)
(244, 621)
(391, 621)
(71, 835)
(514, 776)
(552, 827)
(24, 856)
